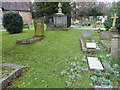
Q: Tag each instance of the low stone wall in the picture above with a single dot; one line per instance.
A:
(29, 40)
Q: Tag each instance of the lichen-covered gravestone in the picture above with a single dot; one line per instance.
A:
(39, 27)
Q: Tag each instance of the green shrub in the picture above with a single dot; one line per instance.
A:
(13, 22)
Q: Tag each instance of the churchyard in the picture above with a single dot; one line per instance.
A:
(57, 61)
(58, 54)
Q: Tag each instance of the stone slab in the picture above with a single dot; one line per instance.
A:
(91, 45)
(94, 63)
(102, 87)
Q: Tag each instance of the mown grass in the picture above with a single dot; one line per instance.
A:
(46, 58)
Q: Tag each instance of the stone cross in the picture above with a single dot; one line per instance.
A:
(114, 20)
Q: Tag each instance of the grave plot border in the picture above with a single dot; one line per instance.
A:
(84, 49)
(108, 48)
(30, 40)
(12, 76)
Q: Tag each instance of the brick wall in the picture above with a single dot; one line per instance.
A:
(27, 17)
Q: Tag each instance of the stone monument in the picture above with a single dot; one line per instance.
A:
(59, 20)
(115, 46)
(113, 29)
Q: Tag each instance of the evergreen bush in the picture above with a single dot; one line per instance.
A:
(13, 22)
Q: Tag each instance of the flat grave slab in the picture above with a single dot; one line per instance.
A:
(11, 75)
(91, 45)
(103, 87)
(94, 63)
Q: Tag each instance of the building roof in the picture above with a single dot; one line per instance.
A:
(16, 6)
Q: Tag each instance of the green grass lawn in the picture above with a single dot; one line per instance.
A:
(48, 59)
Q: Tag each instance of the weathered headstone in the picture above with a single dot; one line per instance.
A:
(87, 34)
(115, 46)
(105, 36)
(94, 63)
(39, 27)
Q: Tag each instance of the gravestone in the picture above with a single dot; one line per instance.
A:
(113, 29)
(115, 46)
(39, 27)
(94, 63)
(60, 20)
(87, 34)
(91, 45)
(105, 36)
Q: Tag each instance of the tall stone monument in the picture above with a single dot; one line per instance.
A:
(59, 20)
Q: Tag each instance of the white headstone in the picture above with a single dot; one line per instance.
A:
(94, 63)
(91, 45)
(103, 20)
